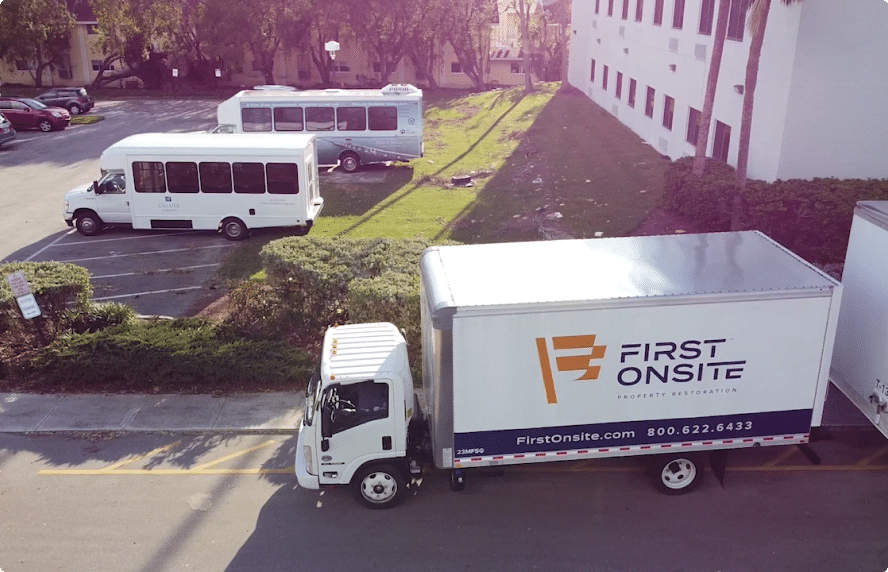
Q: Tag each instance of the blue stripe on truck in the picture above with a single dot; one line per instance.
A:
(628, 433)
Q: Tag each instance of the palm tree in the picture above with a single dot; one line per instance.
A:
(718, 46)
(758, 19)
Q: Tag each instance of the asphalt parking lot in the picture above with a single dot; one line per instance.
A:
(157, 273)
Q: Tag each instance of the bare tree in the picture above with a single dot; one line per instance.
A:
(470, 37)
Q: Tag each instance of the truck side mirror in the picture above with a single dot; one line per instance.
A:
(327, 421)
(96, 188)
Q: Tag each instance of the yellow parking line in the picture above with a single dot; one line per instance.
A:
(872, 457)
(234, 455)
(789, 452)
(140, 457)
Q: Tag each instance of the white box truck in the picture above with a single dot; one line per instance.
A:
(860, 362)
(199, 181)
(669, 346)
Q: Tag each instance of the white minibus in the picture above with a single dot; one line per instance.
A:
(353, 126)
(201, 181)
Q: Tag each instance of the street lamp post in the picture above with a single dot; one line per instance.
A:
(332, 47)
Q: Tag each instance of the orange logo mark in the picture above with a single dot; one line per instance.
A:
(581, 362)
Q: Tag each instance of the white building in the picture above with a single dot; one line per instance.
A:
(821, 105)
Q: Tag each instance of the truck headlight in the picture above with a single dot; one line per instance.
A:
(309, 459)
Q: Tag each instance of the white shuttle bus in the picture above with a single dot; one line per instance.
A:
(354, 127)
(201, 181)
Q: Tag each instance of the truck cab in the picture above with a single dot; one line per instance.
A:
(358, 407)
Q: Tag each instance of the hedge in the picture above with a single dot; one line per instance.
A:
(810, 217)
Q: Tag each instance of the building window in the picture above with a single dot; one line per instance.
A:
(619, 86)
(341, 66)
(668, 111)
(631, 92)
(604, 78)
(23, 65)
(658, 12)
(597, 5)
(97, 65)
(649, 102)
(707, 13)
(678, 15)
(693, 126)
(610, 7)
(455, 67)
(625, 14)
(92, 29)
(516, 67)
(592, 75)
(737, 19)
(639, 10)
(721, 141)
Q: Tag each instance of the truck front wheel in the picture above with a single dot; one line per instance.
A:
(677, 474)
(379, 486)
(89, 224)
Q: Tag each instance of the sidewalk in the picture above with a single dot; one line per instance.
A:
(271, 412)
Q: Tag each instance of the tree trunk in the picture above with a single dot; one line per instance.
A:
(525, 46)
(752, 68)
(718, 46)
(565, 43)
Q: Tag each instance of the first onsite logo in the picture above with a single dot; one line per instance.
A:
(581, 362)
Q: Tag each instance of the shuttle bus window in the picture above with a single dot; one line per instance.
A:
(249, 178)
(148, 177)
(256, 118)
(182, 177)
(319, 118)
(283, 178)
(215, 177)
(288, 119)
(383, 118)
(351, 119)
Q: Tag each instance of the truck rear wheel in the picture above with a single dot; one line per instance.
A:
(379, 486)
(677, 474)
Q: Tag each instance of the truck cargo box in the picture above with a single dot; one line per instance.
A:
(574, 349)
(860, 361)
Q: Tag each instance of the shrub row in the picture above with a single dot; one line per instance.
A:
(810, 217)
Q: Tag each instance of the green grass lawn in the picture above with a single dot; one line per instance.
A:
(530, 156)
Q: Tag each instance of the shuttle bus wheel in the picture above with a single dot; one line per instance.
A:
(677, 474)
(379, 486)
(234, 229)
(89, 224)
(350, 162)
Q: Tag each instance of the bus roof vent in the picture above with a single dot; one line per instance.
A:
(399, 89)
(274, 88)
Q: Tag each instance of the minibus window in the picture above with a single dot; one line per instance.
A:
(283, 178)
(249, 178)
(256, 118)
(288, 119)
(148, 177)
(351, 119)
(383, 118)
(182, 177)
(319, 118)
(215, 177)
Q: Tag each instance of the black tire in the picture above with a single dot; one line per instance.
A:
(89, 224)
(379, 486)
(457, 480)
(234, 229)
(74, 109)
(677, 474)
(45, 125)
(350, 162)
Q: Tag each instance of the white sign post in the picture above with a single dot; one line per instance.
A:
(22, 292)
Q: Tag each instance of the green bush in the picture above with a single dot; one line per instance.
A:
(810, 217)
(169, 354)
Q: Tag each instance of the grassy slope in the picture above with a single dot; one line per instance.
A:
(593, 170)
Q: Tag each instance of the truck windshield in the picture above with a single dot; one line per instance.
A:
(312, 395)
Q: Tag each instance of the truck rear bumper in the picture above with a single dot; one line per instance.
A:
(303, 477)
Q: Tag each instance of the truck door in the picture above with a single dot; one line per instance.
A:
(112, 200)
(357, 424)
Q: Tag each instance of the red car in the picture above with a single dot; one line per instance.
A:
(32, 114)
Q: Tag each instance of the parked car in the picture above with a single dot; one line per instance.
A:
(74, 99)
(32, 114)
(7, 132)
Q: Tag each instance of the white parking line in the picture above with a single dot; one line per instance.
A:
(154, 271)
(50, 245)
(134, 294)
(93, 240)
(170, 251)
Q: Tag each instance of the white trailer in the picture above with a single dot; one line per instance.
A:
(860, 361)
(200, 181)
(669, 346)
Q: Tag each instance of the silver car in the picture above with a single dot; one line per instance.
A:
(7, 133)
